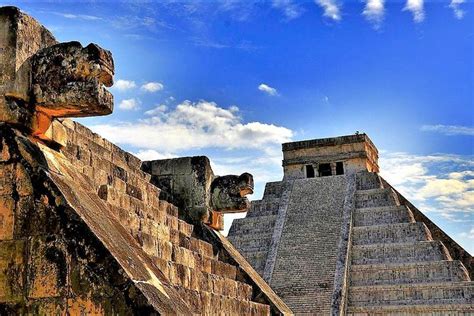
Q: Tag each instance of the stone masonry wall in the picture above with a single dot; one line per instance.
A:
(50, 261)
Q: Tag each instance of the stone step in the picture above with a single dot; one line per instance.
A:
(413, 310)
(368, 180)
(412, 294)
(189, 278)
(250, 243)
(203, 303)
(403, 273)
(267, 207)
(273, 189)
(390, 233)
(246, 225)
(419, 251)
(78, 132)
(382, 215)
(375, 198)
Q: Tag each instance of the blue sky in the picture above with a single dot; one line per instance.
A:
(234, 79)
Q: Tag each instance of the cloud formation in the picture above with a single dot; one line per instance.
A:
(151, 154)
(416, 7)
(129, 104)
(441, 183)
(449, 130)
(152, 86)
(158, 110)
(374, 12)
(289, 8)
(456, 6)
(78, 16)
(267, 89)
(124, 84)
(331, 9)
(194, 126)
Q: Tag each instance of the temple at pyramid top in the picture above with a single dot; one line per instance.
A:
(329, 156)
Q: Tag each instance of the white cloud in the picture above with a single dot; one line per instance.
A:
(469, 235)
(234, 108)
(124, 84)
(267, 89)
(460, 175)
(440, 187)
(194, 126)
(78, 16)
(449, 130)
(439, 183)
(289, 8)
(150, 154)
(416, 8)
(209, 43)
(152, 86)
(160, 109)
(129, 104)
(456, 6)
(331, 9)
(374, 12)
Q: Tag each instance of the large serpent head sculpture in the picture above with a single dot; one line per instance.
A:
(228, 193)
(41, 79)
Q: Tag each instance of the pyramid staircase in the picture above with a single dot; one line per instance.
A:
(396, 266)
(205, 281)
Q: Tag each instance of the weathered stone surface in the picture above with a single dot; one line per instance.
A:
(51, 251)
(68, 80)
(228, 193)
(7, 217)
(12, 267)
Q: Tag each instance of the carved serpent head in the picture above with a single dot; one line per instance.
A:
(228, 193)
(70, 80)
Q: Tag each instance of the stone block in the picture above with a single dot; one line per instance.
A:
(7, 217)
(134, 191)
(223, 269)
(84, 306)
(4, 151)
(7, 179)
(24, 187)
(206, 265)
(56, 133)
(185, 228)
(230, 288)
(174, 236)
(47, 269)
(12, 270)
(172, 222)
(244, 291)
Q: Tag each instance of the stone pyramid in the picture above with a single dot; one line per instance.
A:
(334, 237)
